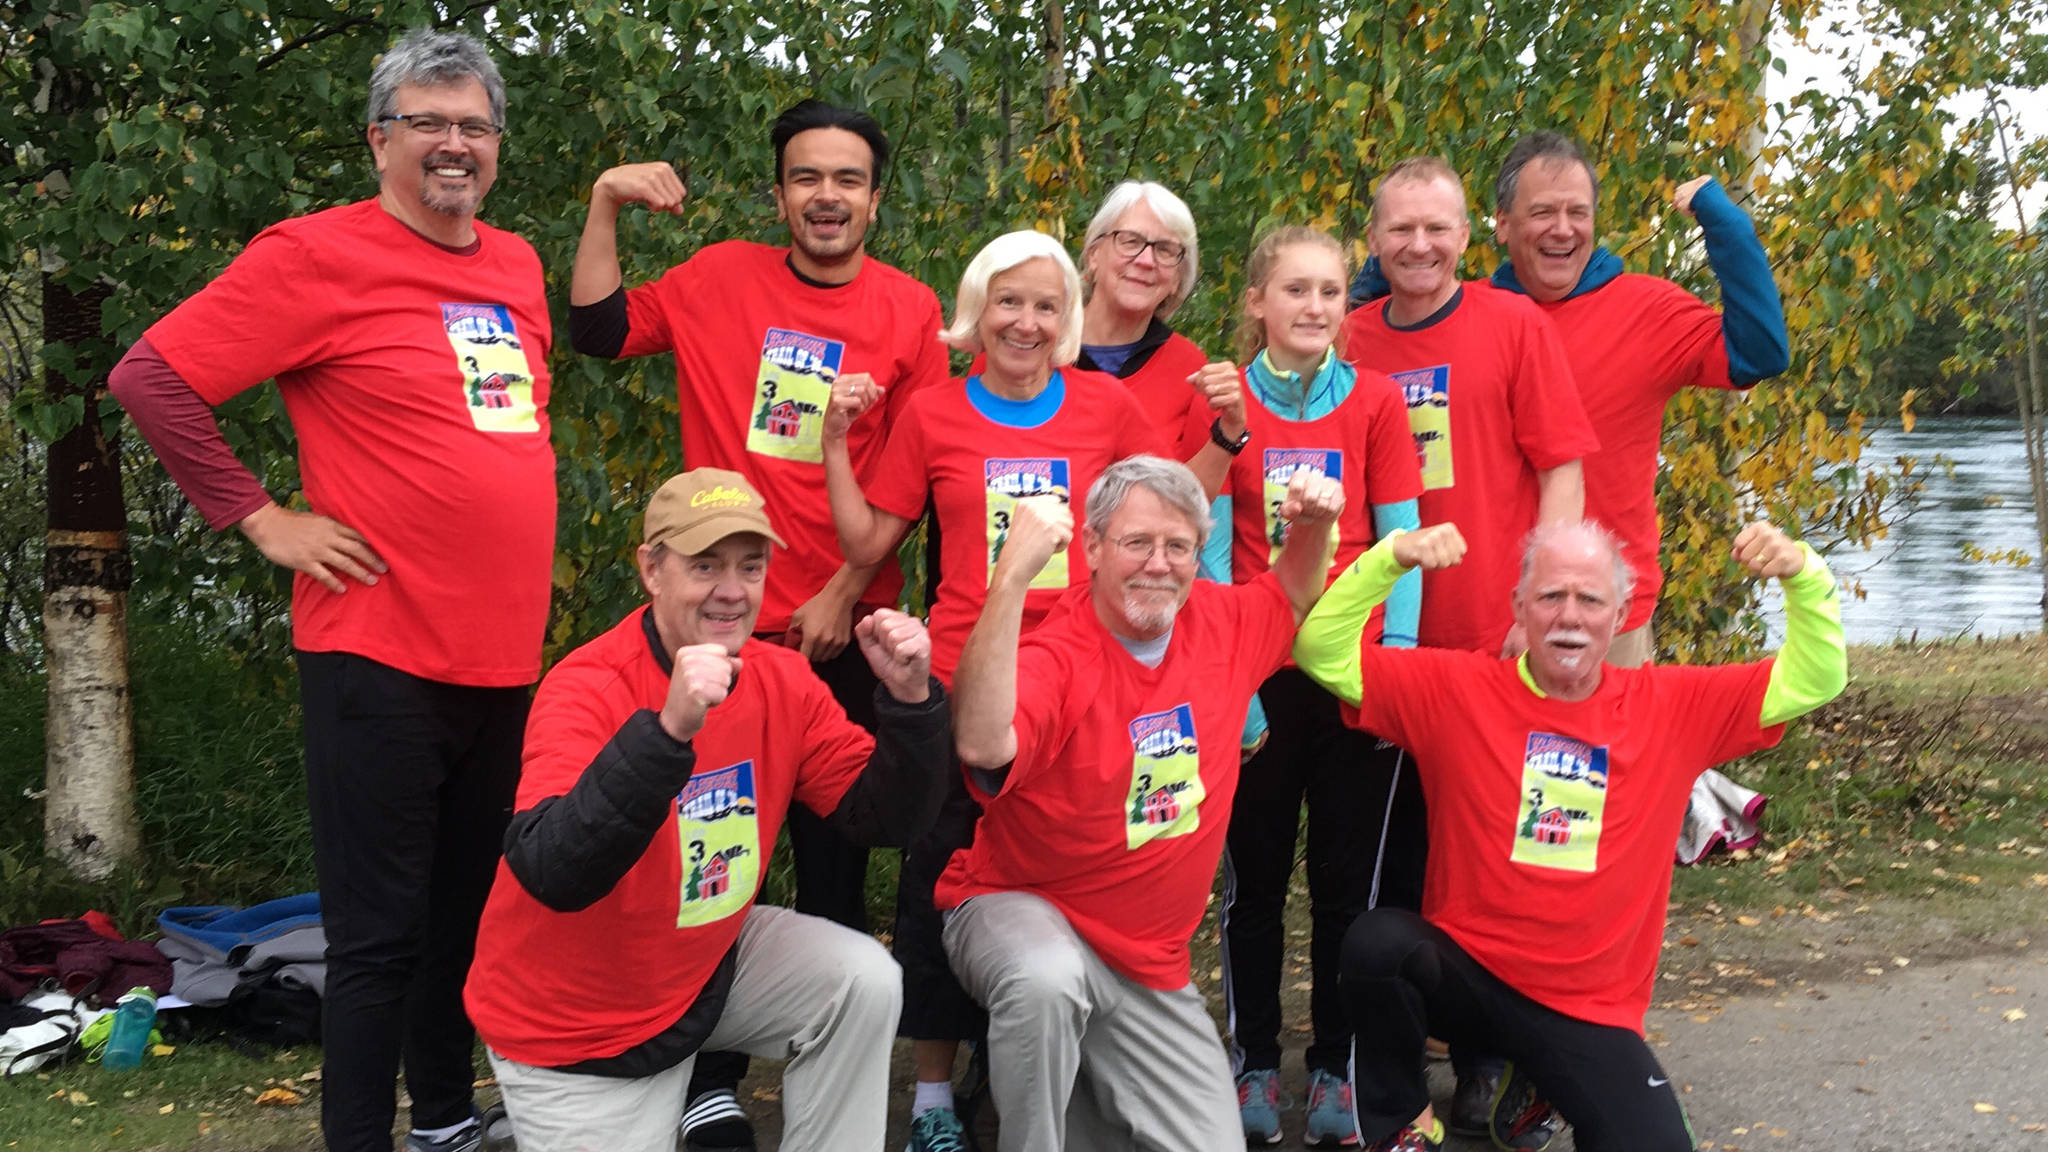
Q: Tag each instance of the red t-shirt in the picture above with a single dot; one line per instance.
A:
(976, 469)
(1551, 822)
(553, 988)
(1633, 344)
(1491, 403)
(1363, 444)
(1115, 808)
(1172, 406)
(756, 353)
(1160, 385)
(416, 378)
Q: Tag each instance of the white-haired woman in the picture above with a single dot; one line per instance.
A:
(1138, 264)
(1023, 422)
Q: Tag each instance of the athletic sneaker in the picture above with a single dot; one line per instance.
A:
(1522, 1120)
(1258, 1105)
(937, 1130)
(1332, 1123)
(467, 1138)
(1472, 1103)
(714, 1123)
(1413, 1139)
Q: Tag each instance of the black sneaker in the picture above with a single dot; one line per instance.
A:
(714, 1123)
(1472, 1103)
(1521, 1119)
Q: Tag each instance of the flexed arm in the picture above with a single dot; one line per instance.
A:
(866, 533)
(1752, 313)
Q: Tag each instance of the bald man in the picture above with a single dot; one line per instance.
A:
(1543, 908)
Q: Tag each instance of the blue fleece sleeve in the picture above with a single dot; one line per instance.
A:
(1752, 315)
(1402, 620)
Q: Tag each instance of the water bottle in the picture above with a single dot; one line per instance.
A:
(134, 1018)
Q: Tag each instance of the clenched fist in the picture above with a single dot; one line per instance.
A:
(900, 651)
(1768, 552)
(703, 676)
(1437, 546)
(1040, 526)
(1313, 500)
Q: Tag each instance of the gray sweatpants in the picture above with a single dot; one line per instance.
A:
(806, 990)
(1081, 1058)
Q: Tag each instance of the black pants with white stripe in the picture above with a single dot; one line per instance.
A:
(1366, 846)
(1405, 979)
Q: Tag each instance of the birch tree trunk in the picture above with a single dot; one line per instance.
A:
(89, 819)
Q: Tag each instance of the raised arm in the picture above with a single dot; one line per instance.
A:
(1812, 666)
(1326, 648)
(1752, 313)
(897, 795)
(568, 851)
(1222, 387)
(866, 533)
(654, 184)
(1312, 504)
(985, 683)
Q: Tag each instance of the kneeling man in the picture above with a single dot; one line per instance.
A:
(622, 934)
(1105, 750)
(1556, 785)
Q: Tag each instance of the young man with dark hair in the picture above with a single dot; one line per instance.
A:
(760, 334)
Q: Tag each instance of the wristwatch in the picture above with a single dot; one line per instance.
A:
(1224, 442)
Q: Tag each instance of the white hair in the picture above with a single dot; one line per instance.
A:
(1172, 212)
(1000, 255)
(1169, 480)
(1590, 532)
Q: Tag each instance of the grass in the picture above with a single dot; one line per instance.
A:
(199, 1096)
(1926, 781)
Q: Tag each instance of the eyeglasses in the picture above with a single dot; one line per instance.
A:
(429, 124)
(1129, 244)
(1139, 549)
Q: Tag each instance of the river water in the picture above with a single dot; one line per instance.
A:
(1916, 579)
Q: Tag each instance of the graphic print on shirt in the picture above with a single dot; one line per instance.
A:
(1278, 467)
(1564, 796)
(791, 393)
(1010, 480)
(496, 386)
(1166, 793)
(1428, 392)
(721, 841)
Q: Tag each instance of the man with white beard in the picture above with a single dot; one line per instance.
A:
(1104, 748)
(1556, 783)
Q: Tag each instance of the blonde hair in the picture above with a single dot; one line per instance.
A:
(1000, 255)
(1258, 268)
(1172, 212)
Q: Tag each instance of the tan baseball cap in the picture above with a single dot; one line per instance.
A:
(697, 509)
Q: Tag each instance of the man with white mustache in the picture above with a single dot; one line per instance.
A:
(409, 341)
(1557, 783)
(1500, 433)
(1104, 748)
(760, 334)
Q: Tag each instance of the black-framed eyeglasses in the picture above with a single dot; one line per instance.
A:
(429, 124)
(1128, 244)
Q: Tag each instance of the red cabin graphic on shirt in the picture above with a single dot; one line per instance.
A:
(1553, 827)
(1161, 806)
(783, 419)
(716, 879)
